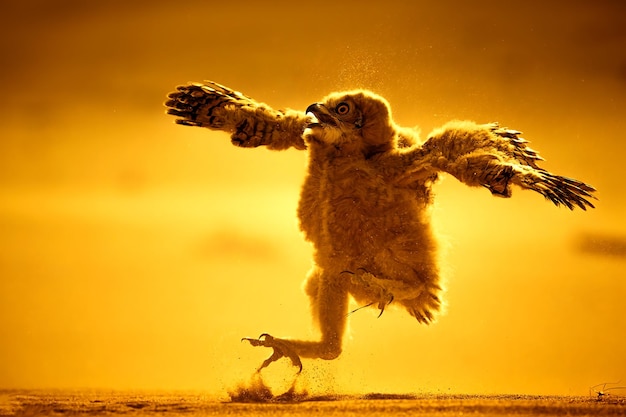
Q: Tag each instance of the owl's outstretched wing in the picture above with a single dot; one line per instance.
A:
(250, 123)
(495, 158)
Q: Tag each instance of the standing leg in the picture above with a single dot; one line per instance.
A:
(328, 295)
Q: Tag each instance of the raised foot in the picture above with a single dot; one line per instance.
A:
(281, 349)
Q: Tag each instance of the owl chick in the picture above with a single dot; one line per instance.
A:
(365, 201)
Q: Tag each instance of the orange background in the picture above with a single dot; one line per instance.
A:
(135, 253)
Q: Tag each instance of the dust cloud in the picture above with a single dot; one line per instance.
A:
(135, 254)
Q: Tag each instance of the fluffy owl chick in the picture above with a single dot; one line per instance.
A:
(365, 200)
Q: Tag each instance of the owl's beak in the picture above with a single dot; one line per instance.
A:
(320, 116)
(313, 108)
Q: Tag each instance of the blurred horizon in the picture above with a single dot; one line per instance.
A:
(135, 253)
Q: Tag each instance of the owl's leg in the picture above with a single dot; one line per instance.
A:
(328, 295)
(420, 297)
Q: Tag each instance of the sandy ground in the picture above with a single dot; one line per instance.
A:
(54, 403)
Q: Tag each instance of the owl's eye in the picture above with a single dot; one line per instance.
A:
(342, 108)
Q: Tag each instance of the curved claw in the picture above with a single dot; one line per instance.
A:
(280, 347)
(382, 305)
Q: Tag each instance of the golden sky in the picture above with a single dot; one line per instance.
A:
(135, 253)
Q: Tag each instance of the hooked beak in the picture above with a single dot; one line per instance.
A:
(321, 116)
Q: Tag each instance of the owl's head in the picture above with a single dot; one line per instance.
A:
(352, 120)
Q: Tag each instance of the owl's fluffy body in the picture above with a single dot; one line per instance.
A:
(370, 230)
(365, 201)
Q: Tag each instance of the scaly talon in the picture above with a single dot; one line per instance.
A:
(281, 349)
